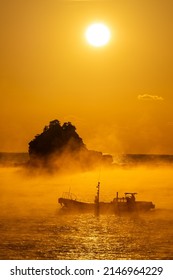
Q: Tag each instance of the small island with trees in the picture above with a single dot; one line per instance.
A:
(60, 147)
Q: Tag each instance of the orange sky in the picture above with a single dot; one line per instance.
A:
(119, 97)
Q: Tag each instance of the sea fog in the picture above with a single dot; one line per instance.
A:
(23, 193)
(32, 228)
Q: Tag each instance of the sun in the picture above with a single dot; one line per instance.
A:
(97, 34)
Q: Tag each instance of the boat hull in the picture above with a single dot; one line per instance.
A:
(70, 205)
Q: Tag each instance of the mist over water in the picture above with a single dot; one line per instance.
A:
(32, 228)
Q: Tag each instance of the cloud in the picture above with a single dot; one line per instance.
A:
(150, 97)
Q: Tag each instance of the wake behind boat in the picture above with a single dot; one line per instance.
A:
(125, 204)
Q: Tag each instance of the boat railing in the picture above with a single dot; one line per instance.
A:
(69, 195)
(119, 199)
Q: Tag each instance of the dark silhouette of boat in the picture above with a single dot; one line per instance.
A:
(125, 204)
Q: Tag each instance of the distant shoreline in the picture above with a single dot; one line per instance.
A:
(8, 159)
(21, 158)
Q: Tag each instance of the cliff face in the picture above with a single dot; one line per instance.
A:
(60, 146)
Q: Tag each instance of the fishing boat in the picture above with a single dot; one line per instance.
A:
(125, 204)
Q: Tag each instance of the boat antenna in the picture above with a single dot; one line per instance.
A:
(99, 171)
(69, 190)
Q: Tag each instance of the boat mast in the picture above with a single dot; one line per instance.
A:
(97, 198)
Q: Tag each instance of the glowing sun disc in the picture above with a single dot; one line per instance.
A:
(98, 34)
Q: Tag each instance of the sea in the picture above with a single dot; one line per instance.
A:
(33, 227)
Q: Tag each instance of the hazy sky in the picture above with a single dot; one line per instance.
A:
(120, 97)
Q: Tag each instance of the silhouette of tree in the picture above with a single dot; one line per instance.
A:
(57, 140)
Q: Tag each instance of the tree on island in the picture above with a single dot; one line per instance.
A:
(60, 145)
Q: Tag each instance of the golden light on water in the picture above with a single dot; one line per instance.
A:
(98, 34)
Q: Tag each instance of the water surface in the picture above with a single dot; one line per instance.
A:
(32, 228)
